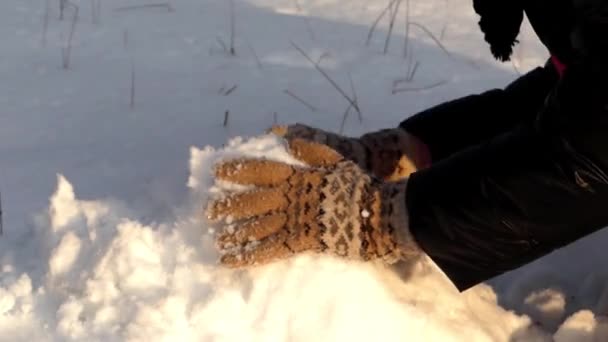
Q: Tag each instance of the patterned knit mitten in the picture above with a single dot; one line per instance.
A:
(337, 209)
(389, 154)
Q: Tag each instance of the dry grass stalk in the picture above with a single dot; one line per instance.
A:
(329, 79)
(62, 6)
(391, 24)
(430, 86)
(222, 44)
(145, 6)
(66, 51)
(311, 107)
(432, 36)
(232, 28)
(406, 39)
(226, 118)
(375, 23)
(355, 98)
(255, 55)
(229, 91)
(344, 118)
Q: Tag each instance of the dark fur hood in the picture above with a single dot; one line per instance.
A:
(500, 22)
(568, 28)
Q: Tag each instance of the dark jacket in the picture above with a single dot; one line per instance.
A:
(519, 172)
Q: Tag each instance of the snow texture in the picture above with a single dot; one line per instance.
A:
(105, 237)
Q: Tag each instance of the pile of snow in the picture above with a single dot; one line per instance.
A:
(105, 276)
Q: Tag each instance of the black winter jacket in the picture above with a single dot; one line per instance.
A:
(519, 172)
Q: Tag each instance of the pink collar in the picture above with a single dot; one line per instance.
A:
(559, 66)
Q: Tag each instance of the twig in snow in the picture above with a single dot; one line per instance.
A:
(344, 117)
(333, 83)
(391, 24)
(373, 27)
(430, 86)
(45, 21)
(132, 101)
(445, 20)
(412, 72)
(406, 39)
(322, 57)
(430, 34)
(226, 116)
(144, 6)
(229, 91)
(409, 75)
(355, 98)
(232, 28)
(62, 5)
(222, 44)
(443, 30)
(350, 106)
(311, 107)
(275, 118)
(67, 50)
(255, 55)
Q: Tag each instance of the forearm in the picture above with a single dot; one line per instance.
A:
(506, 202)
(458, 124)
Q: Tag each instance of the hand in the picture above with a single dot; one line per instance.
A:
(389, 154)
(336, 209)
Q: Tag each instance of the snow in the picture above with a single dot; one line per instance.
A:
(105, 236)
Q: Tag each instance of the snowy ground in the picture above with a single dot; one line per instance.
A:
(103, 234)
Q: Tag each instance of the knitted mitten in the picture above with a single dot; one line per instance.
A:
(333, 207)
(389, 154)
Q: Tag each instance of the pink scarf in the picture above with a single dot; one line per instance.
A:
(559, 66)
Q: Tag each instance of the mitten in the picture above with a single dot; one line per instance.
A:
(336, 209)
(389, 154)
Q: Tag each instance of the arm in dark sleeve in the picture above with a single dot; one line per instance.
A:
(503, 203)
(455, 125)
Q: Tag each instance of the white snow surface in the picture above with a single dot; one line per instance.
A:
(104, 235)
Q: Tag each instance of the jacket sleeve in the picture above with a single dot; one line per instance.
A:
(460, 123)
(503, 203)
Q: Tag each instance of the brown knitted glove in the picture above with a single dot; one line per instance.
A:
(338, 209)
(389, 154)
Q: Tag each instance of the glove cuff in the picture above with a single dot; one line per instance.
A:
(365, 218)
(396, 222)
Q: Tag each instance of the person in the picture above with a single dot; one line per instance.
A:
(482, 184)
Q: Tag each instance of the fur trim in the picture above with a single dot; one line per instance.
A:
(500, 22)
